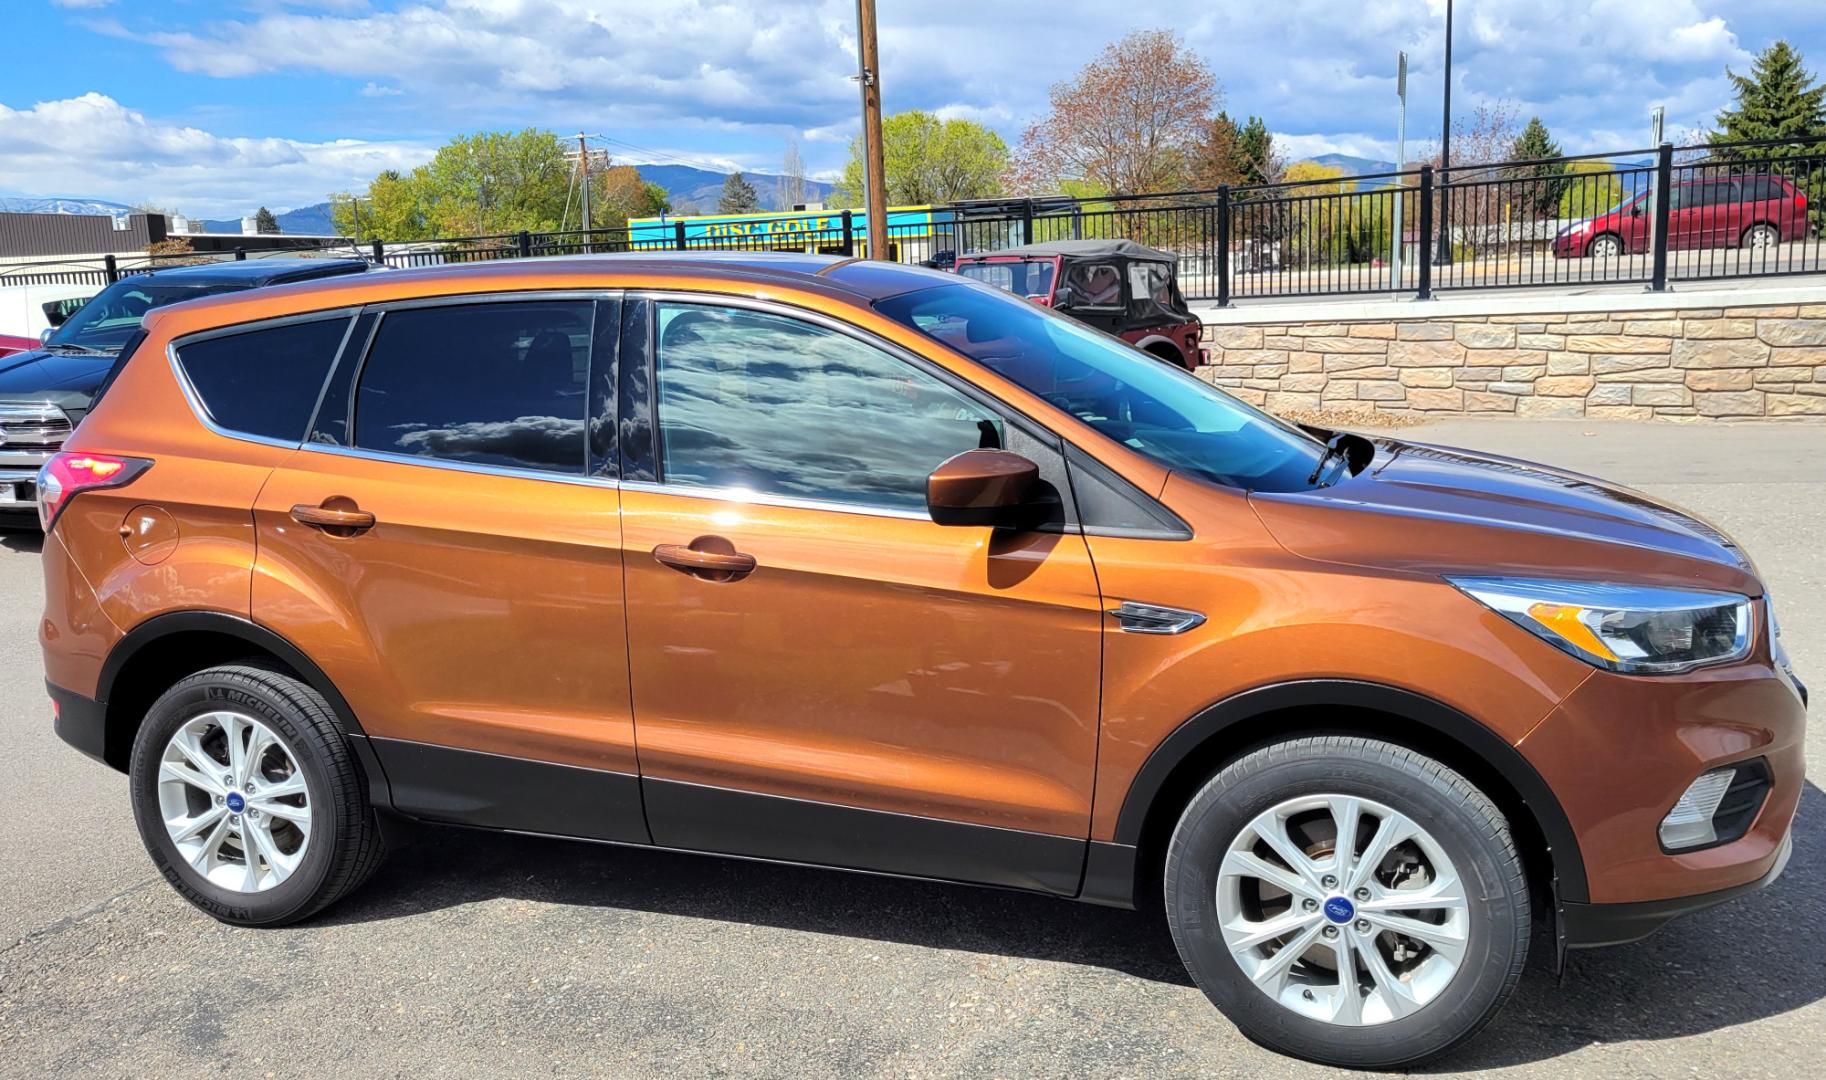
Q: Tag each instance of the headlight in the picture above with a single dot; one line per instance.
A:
(1628, 628)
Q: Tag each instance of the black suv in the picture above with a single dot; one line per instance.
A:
(45, 392)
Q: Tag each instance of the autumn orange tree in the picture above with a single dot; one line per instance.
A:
(1129, 122)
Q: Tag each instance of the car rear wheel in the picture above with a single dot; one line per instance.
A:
(1605, 247)
(1348, 901)
(249, 799)
(1758, 237)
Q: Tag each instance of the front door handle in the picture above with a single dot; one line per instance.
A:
(337, 516)
(709, 557)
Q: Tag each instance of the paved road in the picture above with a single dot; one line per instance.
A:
(471, 955)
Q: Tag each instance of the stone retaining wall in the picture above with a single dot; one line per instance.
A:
(1764, 360)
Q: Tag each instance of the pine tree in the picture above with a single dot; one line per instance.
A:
(1777, 100)
(1545, 183)
(738, 196)
(264, 222)
(1255, 153)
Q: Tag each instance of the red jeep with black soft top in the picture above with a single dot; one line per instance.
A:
(1118, 286)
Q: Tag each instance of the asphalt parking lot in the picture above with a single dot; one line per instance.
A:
(475, 955)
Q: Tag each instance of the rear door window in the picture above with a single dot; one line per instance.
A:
(485, 384)
(263, 382)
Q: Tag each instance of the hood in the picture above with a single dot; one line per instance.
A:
(1441, 510)
(36, 374)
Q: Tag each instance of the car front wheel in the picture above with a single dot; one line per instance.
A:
(1348, 901)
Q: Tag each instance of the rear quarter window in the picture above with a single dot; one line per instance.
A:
(263, 382)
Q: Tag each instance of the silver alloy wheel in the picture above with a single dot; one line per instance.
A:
(1606, 247)
(234, 801)
(1355, 933)
(1760, 236)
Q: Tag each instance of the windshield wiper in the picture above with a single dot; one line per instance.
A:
(1333, 446)
(76, 350)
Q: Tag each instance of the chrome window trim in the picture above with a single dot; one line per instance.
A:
(744, 496)
(477, 468)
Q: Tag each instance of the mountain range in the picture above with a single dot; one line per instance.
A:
(692, 191)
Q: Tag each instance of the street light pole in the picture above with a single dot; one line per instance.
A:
(875, 183)
(1401, 168)
(1445, 156)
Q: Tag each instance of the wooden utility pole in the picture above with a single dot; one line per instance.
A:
(875, 183)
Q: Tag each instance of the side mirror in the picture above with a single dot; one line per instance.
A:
(983, 487)
(1636, 210)
(44, 336)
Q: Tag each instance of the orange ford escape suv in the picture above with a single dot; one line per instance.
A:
(870, 567)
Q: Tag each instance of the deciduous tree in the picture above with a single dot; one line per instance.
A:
(928, 160)
(792, 176)
(1129, 122)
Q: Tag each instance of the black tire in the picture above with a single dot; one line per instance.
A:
(345, 839)
(1469, 828)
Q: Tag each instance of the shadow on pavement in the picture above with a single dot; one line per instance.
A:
(28, 541)
(447, 867)
(1716, 969)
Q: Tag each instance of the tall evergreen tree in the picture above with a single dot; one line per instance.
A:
(1255, 153)
(264, 222)
(1777, 100)
(1546, 182)
(738, 197)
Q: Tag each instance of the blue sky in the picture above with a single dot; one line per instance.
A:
(217, 106)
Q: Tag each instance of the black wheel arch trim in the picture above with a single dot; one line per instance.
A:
(170, 624)
(1497, 753)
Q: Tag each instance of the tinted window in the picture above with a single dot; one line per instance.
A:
(489, 384)
(775, 405)
(264, 382)
(1155, 409)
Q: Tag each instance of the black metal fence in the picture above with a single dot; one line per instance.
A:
(1653, 216)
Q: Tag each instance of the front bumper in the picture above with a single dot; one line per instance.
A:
(1619, 751)
(1592, 926)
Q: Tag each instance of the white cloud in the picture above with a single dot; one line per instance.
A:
(79, 4)
(729, 79)
(93, 146)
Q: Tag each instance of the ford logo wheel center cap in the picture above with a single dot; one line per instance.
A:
(1340, 910)
(237, 803)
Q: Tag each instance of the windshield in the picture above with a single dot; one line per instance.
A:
(105, 323)
(1029, 278)
(1151, 407)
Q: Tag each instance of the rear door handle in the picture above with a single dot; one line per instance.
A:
(337, 516)
(709, 557)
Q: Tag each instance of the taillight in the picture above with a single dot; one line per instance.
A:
(71, 472)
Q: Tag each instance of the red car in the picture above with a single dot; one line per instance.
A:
(10, 344)
(1118, 286)
(1758, 211)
